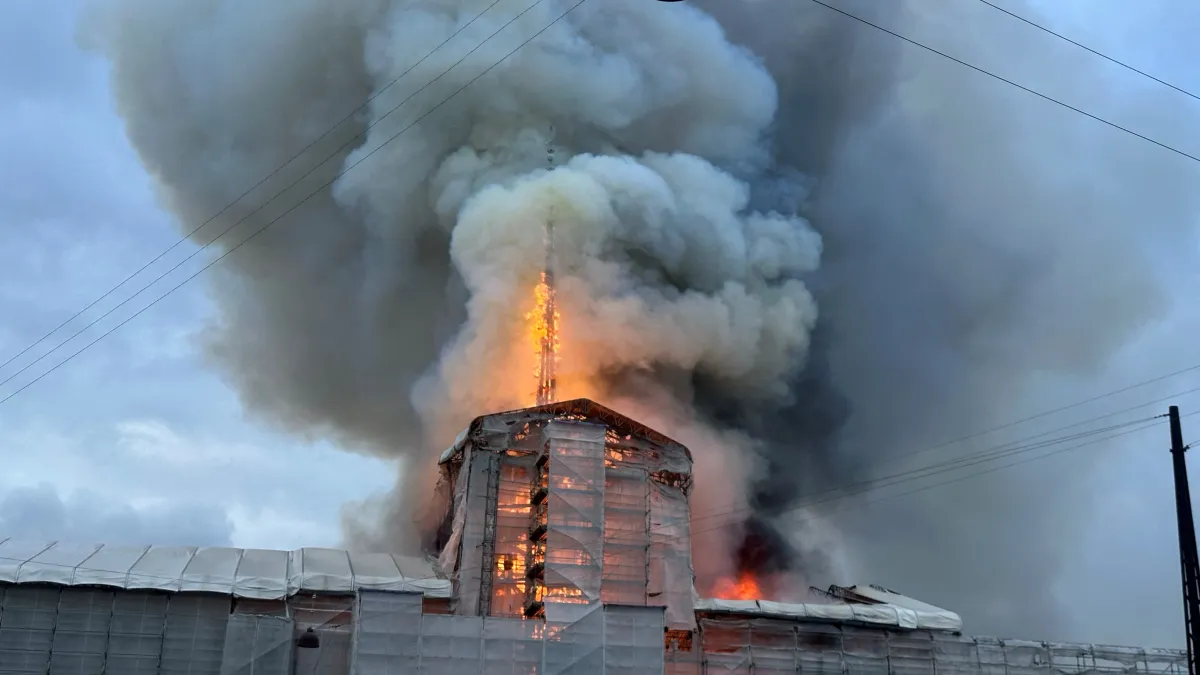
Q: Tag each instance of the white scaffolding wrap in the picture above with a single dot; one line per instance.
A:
(575, 520)
(633, 643)
(244, 573)
(81, 631)
(576, 648)
(257, 645)
(387, 634)
(881, 615)
(27, 628)
(568, 550)
(393, 637)
(194, 640)
(626, 536)
(757, 645)
(671, 573)
(136, 633)
(476, 472)
(511, 546)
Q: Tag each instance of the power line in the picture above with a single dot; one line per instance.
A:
(1068, 407)
(1084, 47)
(970, 459)
(798, 507)
(285, 213)
(156, 300)
(909, 455)
(306, 174)
(1006, 80)
(254, 187)
(1144, 424)
(973, 459)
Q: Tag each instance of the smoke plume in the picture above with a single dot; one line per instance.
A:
(698, 156)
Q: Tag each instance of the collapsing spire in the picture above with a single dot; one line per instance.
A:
(548, 348)
(546, 325)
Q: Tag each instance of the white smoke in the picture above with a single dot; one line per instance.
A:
(398, 294)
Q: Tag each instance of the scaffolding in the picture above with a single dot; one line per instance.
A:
(66, 630)
(563, 507)
(744, 645)
(567, 549)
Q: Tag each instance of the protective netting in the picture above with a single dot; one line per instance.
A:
(257, 645)
(609, 639)
(576, 648)
(745, 646)
(670, 570)
(626, 536)
(559, 508)
(331, 619)
(73, 631)
(387, 634)
(27, 629)
(477, 473)
(632, 640)
(575, 521)
(81, 631)
(512, 535)
(136, 632)
(194, 637)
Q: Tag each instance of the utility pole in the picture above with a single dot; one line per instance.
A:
(1189, 563)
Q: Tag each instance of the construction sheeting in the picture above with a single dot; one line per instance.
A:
(257, 645)
(741, 646)
(393, 637)
(626, 536)
(878, 615)
(73, 630)
(511, 548)
(575, 520)
(476, 474)
(387, 634)
(671, 575)
(245, 573)
(886, 597)
(70, 631)
(633, 643)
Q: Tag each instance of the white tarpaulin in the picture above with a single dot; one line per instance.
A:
(879, 615)
(244, 573)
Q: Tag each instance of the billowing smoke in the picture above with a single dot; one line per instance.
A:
(388, 309)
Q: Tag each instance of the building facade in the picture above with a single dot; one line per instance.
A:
(564, 548)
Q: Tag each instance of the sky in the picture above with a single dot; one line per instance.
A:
(137, 440)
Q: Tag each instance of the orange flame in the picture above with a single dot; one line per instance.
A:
(744, 587)
(543, 333)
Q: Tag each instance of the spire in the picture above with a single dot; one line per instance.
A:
(549, 339)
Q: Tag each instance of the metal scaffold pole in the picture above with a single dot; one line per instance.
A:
(1189, 563)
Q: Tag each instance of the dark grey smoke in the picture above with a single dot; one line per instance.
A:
(976, 243)
(976, 251)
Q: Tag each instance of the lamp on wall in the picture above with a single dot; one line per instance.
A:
(309, 640)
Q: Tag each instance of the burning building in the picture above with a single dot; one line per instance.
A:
(564, 548)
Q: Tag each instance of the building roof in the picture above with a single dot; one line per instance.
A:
(881, 595)
(246, 573)
(578, 409)
(884, 615)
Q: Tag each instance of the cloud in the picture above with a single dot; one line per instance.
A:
(41, 513)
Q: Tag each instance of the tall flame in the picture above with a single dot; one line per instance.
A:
(543, 333)
(543, 318)
(744, 587)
